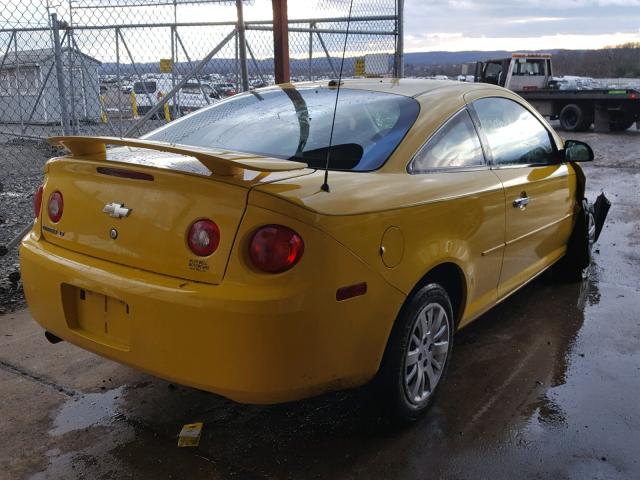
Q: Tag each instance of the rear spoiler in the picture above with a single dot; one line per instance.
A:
(220, 162)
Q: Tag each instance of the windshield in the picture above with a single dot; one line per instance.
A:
(295, 124)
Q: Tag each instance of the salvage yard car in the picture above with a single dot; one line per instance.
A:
(211, 252)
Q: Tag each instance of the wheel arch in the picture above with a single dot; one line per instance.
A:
(451, 277)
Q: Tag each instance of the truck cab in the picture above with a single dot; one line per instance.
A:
(519, 73)
(577, 107)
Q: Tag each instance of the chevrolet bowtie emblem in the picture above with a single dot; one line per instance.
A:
(116, 210)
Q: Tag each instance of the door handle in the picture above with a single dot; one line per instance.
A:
(521, 202)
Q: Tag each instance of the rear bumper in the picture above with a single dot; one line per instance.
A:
(260, 345)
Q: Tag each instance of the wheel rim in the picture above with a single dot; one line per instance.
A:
(571, 119)
(426, 353)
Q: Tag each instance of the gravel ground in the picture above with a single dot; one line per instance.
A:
(21, 170)
(22, 162)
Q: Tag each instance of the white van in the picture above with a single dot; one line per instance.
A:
(149, 91)
(188, 99)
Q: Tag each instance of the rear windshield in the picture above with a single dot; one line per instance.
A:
(139, 87)
(295, 124)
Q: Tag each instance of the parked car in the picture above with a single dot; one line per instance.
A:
(188, 99)
(193, 96)
(225, 89)
(230, 263)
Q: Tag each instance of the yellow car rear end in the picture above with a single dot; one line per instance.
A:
(216, 323)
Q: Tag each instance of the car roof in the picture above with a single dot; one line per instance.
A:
(438, 99)
(410, 87)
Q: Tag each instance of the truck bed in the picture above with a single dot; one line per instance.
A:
(595, 94)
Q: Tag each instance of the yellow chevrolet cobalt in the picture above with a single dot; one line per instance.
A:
(209, 253)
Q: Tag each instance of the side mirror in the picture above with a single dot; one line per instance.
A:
(576, 151)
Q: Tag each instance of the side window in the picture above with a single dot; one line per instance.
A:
(455, 145)
(514, 135)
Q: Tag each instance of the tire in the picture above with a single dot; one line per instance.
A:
(574, 119)
(620, 125)
(575, 263)
(402, 387)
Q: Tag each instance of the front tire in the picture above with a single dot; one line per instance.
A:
(418, 353)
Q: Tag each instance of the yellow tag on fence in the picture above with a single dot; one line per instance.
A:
(190, 435)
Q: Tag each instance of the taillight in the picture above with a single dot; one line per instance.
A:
(275, 248)
(55, 206)
(203, 237)
(37, 202)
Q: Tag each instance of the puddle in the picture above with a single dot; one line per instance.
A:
(90, 410)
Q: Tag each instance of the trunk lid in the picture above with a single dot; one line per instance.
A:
(165, 193)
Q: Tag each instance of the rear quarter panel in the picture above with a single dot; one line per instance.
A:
(455, 217)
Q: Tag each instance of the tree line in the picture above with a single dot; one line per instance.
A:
(618, 61)
(610, 62)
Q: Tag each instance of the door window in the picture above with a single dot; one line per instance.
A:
(514, 135)
(455, 145)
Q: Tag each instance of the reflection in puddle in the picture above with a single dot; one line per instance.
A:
(549, 413)
(90, 410)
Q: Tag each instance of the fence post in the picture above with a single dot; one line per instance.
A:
(242, 45)
(310, 51)
(118, 81)
(398, 67)
(57, 54)
(175, 106)
(17, 73)
(72, 87)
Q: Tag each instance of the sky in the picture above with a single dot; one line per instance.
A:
(456, 25)
(430, 25)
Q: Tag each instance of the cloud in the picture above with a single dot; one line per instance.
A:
(459, 42)
(526, 20)
(531, 24)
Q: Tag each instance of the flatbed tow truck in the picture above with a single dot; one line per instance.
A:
(531, 76)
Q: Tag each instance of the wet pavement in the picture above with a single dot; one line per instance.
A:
(546, 385)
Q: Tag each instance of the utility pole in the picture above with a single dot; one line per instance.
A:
(242, 46)
(281, 41)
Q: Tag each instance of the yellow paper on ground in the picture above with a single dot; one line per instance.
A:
(190, 435)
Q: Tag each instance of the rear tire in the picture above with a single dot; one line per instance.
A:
(621, 124)
(418, 354)
(573, 118)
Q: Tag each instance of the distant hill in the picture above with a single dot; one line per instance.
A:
(447, 58)
(621, 61)
(618, 61)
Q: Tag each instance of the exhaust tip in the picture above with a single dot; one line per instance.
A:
(52, 338)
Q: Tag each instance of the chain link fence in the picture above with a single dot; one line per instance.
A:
(125, 67)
